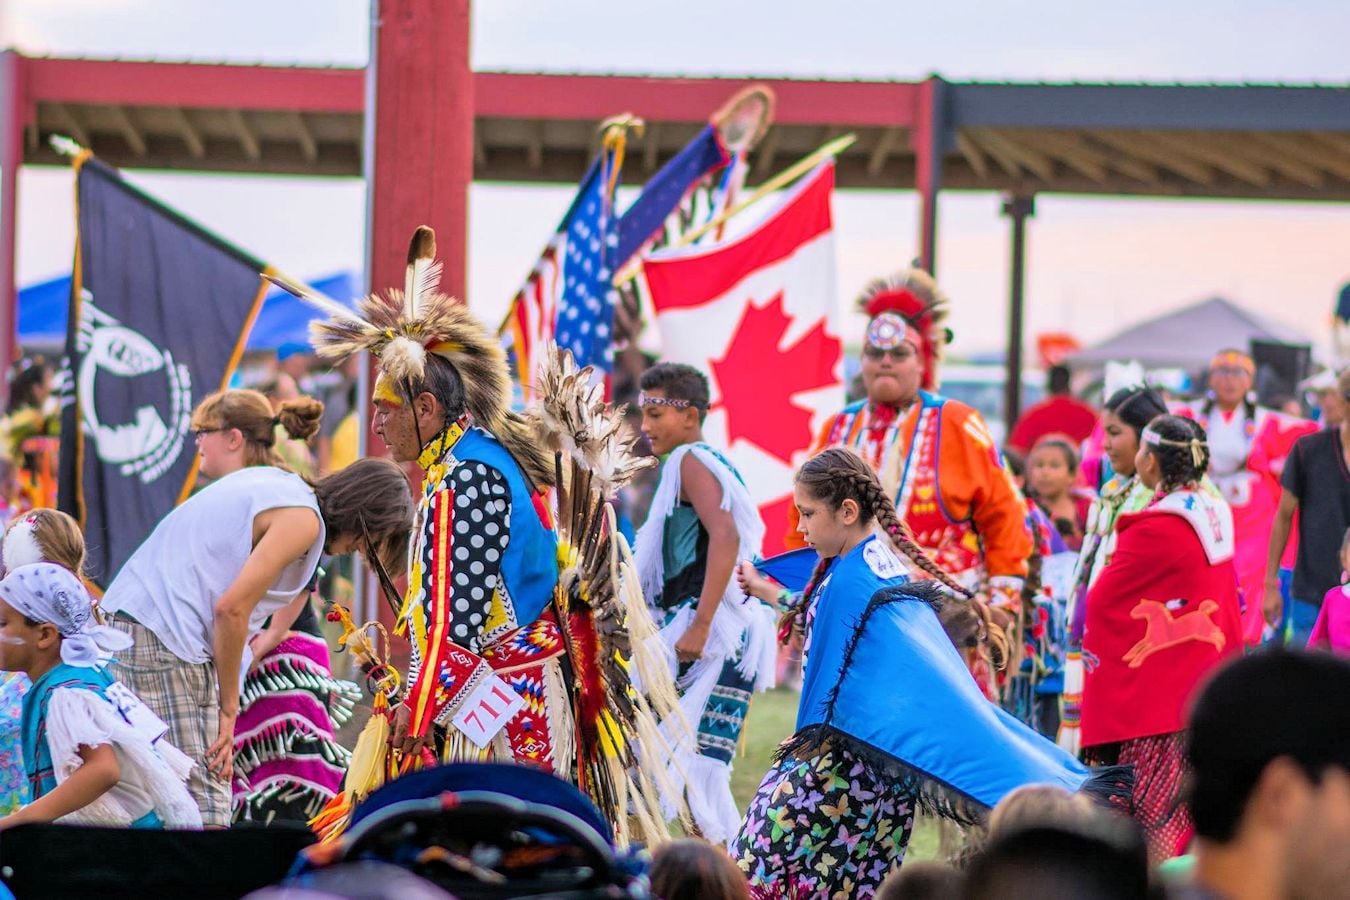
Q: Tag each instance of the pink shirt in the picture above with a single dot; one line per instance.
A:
(1332, 628)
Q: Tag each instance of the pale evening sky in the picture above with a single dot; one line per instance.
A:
(1094, 264)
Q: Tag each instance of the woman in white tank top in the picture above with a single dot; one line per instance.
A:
(214, 569)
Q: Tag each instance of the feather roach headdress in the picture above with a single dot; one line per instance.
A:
(909, 306)
(401, 327)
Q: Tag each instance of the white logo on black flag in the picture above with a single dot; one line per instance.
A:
(159, 313)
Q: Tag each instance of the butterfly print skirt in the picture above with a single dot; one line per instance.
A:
(823, 827)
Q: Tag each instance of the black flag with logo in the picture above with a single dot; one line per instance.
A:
(159, 312)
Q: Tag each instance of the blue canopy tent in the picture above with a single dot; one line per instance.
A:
(283, 319)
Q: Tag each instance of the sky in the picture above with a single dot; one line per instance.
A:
(1094, 265)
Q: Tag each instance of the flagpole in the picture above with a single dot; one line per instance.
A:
(779, 181)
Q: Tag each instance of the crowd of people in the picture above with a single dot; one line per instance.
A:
(1073, 647)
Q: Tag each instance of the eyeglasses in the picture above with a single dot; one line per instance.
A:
(200, 433)
(895, 353)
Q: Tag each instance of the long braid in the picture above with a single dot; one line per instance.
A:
(988, 636)
(791, 620)
(883, 510)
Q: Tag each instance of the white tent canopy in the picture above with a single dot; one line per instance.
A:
(1186, 338)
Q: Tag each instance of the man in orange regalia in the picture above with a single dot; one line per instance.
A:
(933, 454)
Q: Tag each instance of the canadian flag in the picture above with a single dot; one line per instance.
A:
(757, 313)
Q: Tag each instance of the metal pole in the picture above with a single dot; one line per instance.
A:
(1018, 208)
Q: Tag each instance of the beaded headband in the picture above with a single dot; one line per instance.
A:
(1197, 446)
(1233, 359)
(889, 330)
(645, 399)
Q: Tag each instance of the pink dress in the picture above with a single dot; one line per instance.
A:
(1332, 628)
(1247, 456)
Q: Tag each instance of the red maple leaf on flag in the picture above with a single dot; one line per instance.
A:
(758, 379)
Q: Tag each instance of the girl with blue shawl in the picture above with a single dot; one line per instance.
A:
(890, 717)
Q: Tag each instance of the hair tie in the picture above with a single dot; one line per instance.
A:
(276, 420)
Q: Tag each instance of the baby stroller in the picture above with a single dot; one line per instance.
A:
(485, 830)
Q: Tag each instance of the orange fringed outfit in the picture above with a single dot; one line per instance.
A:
(938, 460)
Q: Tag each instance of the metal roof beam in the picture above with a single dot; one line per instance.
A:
(1165, 107)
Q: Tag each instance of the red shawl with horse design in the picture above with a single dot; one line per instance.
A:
(1161, 616)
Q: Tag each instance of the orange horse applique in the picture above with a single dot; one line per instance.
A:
(1162, 630)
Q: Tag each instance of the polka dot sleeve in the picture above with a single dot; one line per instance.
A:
(481, 532)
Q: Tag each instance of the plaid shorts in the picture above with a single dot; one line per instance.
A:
(187, 697)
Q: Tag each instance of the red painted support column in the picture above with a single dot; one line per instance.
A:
(929, 139)
(423, 136)
(418, 165)
(13, 116)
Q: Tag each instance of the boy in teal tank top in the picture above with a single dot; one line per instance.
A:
(701, 523)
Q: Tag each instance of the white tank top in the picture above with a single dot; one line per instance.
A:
(171, 583)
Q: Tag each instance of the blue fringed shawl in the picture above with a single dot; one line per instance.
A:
(883, 677)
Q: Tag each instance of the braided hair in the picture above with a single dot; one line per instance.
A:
(839, 474)
(1179, 445)
(1136, 406)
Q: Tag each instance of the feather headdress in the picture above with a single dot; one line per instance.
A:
(400, 327)
(913, 295)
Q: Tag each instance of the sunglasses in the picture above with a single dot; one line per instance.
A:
(895, 353)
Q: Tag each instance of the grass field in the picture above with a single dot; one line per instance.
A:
(772, 717)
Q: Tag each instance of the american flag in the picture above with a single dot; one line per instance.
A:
(586, 303)
(569, 296)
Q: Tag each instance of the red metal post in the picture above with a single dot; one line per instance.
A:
(423, 136)
(13, 103)
(929, 139)
(418, 158)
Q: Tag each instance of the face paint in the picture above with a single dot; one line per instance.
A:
(385, 392)
(12, 640)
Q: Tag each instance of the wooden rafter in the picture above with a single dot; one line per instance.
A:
(1136, 144)
(978, 164)
(71, 123)
(135, 140)
(768, 149)
(309, 147)
(1335, 145)
(248, 141)
(534, 146)
(1298, 148)
(480, 150)
(1273, 153)
(885, 146)
(995, 152)
(1070, 149)
(1201, 147)
(191, 139)
(651, 147)
(1031, 160)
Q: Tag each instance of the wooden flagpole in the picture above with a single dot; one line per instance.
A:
(778, 182)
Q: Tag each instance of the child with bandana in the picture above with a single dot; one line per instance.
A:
(93, 753)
